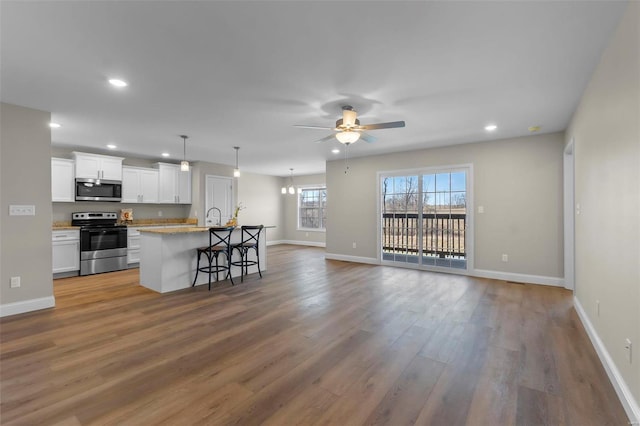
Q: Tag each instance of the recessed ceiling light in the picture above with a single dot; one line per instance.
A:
(117, 82)
(335, 151)
(111, 146)
(165, 154)
(534, 129)
(54, 125)
(490, 127)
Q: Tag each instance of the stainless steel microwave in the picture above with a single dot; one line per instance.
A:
(98, 190)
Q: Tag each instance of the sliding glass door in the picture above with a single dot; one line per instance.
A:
(424, 218)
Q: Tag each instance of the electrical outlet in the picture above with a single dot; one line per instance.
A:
(159, 213)
(480, 209)
(306, 234)
(505, 257)
(354, 244)
(24, 210)
(15, 282)
(598, 307)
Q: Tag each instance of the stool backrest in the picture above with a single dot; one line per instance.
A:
(251, 234)
(220, 235)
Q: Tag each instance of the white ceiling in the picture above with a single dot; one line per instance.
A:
(243, 73)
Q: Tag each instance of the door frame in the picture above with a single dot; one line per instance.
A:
(207, 198)
(469, 234)
(568, 172)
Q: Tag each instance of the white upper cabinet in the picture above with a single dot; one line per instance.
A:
(139, 185)
(175, 185)
(95, 166)
(62, 180)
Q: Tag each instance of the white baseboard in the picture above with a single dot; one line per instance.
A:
(27, 306)
(297, 243)
(518, 278)
(357, 259)
(629, 403)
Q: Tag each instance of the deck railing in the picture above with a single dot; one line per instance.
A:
(443, 234)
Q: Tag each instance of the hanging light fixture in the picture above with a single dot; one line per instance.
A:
(236, 171)
(347, 137)
(184, 164)
(291, 189)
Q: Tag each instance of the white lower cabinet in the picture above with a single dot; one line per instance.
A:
(133, 242)
(133, 245)
(65, 251)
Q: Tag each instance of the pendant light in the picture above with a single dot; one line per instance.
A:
(236, 171)
(291, 189)
(184, 164)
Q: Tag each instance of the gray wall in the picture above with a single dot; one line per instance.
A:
(517, 181)
(25, 176)
(290, 211)
(260, 195)
(606, 130)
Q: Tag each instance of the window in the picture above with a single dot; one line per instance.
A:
(424, 217)
(312, 205)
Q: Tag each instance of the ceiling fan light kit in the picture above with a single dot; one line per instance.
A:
(347, 137)
(349, 130)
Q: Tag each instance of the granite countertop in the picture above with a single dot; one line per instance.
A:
(186, 229)
(66, 225)
(161, 222)
(177, 230)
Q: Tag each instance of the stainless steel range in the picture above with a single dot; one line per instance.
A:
(103, 243)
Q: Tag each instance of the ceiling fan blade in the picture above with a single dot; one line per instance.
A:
(367, 137)
(390, 125)
(326, 138)
(312, 127)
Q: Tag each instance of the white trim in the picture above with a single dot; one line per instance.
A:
(299, 190)
(518, 278)
(568, 179)
(356, 259)
(629, 403)
(297, 243)
(27, 306)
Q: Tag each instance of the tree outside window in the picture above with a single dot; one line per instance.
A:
(312, 203)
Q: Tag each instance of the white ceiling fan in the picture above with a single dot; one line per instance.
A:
(349, 130)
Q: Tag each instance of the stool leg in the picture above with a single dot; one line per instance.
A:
(229, 259)
(197, 269)
(258, 261)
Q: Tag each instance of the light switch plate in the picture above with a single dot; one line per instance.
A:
(22, 210)
(15, 282)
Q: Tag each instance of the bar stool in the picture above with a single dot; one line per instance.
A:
(219, 242)
(250, 239)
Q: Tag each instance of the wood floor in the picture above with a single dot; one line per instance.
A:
(314, 342)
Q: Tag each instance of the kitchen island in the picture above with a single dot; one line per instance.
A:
(168, 257)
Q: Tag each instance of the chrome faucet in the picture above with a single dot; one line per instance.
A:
(219, 215)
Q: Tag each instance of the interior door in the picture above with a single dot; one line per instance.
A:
(219, 194)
